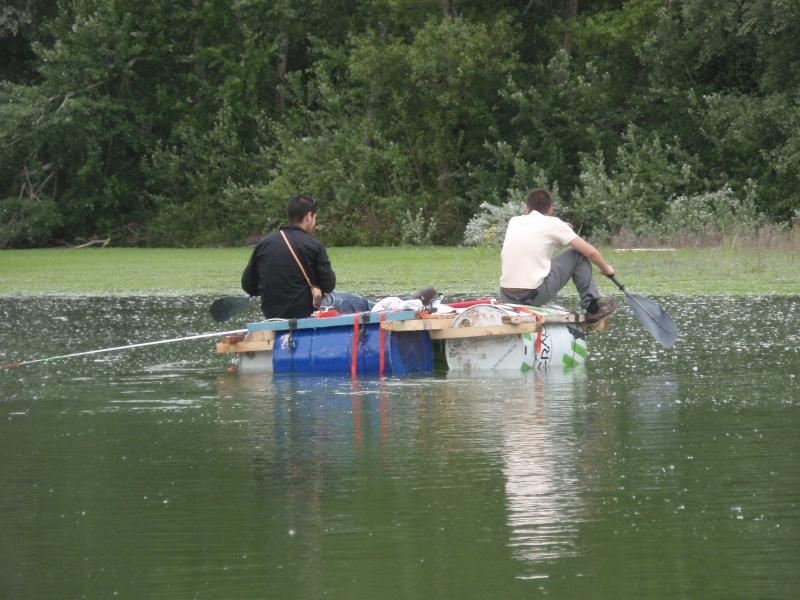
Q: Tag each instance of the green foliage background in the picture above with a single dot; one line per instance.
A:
(163, 123)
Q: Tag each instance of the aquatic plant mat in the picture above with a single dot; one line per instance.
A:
(378, 272)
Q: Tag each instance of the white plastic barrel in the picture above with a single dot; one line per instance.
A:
(559, 344)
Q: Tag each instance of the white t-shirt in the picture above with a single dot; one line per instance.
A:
(528, 247)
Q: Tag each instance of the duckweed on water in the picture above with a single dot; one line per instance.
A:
(377, 272)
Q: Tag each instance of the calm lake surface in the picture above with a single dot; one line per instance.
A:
(158, 473)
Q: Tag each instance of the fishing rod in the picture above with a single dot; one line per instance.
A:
(191, 337)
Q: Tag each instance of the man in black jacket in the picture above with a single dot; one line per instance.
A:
(274, 275)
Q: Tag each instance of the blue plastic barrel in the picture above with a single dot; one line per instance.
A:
(330, 350)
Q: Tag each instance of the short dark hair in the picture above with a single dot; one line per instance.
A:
(299, 206)
(539, 200)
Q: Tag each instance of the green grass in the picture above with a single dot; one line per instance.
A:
(377, 272)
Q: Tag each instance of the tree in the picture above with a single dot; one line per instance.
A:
(438, 98)
(191, 123)
(735, 66)
(22, 24)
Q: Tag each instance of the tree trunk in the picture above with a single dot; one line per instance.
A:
(572, 14)
(280, 72)
(197, 6)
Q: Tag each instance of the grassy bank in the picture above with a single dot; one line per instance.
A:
(376, 272)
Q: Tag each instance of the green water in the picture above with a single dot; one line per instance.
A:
(157, 473)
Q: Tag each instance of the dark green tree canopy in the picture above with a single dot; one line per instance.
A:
(156, 122)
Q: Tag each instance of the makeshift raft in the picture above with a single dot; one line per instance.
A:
(479, 335)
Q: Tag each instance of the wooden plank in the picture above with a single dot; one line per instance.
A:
(545, 319)
(223, 348)
(603, 325)
(484, 331)
(437, 333)
(418, 324)
(337, 321)
(255, 341)
(440, 329)
(259, 336)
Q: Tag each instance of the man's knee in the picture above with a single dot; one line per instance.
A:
(575, 255)
(569, 260)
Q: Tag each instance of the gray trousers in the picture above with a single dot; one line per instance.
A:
(570, 264)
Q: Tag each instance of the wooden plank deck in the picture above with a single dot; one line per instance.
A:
(255, 341)
(441, 328)
(261, 336)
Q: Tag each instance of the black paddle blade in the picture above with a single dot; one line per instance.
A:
(657, 322)
(223, 309)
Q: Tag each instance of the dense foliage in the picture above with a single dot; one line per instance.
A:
(156, 122)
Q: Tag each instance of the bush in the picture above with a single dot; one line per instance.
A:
(26, 222)
(488, 227)
(415, 230)
(201, 186)
(637, 190)
(718, 212)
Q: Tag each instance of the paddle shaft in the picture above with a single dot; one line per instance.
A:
(191, 337)
(617, 281)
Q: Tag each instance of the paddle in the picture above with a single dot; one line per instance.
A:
(658, 323)
(223, 309)
(191, 337)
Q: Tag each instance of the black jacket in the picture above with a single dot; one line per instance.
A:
(273, 274)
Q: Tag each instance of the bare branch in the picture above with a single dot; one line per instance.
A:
(101, 243)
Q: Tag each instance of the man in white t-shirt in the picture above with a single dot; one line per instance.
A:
(529, 273)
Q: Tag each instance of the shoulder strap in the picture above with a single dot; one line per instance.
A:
(299, 264)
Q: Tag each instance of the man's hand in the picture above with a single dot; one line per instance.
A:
(608, 271)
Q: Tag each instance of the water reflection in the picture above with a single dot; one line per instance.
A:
(313, 429)
(540, 462)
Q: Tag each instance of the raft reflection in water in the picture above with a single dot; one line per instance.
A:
(398, 434)
(536, 423)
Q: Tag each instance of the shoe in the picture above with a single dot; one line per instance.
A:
(426, 295)
(603, 310)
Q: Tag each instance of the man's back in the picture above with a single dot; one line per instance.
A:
(528, 247)
(273, 273)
